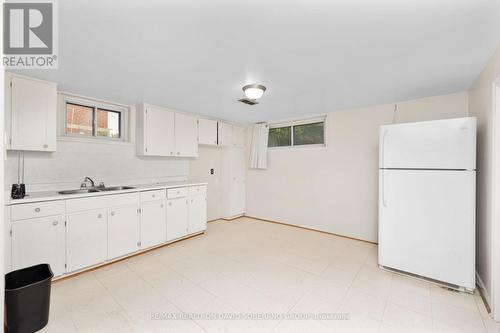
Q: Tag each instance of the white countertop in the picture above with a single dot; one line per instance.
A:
(54, 195)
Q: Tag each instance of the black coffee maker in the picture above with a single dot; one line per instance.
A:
(18, 190)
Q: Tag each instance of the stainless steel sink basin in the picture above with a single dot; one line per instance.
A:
(87, 190)
(116, 188)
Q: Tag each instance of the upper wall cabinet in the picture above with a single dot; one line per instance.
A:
(217, 133)
(156, 131)
(31, 114)
(186, 135)
(207, 132)
(225, 132)
(165, 132)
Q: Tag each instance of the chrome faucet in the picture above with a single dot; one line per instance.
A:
(84, 184)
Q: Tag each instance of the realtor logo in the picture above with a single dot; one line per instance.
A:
(29, 34)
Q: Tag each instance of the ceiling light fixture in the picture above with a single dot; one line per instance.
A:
(254, 91)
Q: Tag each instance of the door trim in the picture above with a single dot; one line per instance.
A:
(495, 209)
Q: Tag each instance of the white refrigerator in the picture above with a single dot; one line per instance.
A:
(427, 186)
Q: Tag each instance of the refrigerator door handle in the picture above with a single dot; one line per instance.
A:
(383, 147)
(384, 203)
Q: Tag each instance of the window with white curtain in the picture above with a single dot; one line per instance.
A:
(307, 132)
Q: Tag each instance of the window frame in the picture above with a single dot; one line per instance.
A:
(291, 136)
(292, 124)
(124, 115)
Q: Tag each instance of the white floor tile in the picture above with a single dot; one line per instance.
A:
(252, 267)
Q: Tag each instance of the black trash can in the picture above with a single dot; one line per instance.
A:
(27, 298)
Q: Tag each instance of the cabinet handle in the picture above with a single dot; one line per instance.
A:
(45, 146)
(197, 190)
(99, 216)
(37, 210)
(178, 153)
(170, 204)
(153, 195)
(171, 153)
(112, 213)
(187, 202)
(191, 200)
(55, 223)
(178, 192)
(161, 205)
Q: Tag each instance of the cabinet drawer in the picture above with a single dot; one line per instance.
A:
(104, 201)
(177, 192)
(194, 190)
(152, 195)
(28, 211)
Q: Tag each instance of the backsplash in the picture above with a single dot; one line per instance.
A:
(113, 164)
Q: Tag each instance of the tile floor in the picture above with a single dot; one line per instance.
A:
(249, 266)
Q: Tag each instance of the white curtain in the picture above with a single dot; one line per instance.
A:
(258, 152)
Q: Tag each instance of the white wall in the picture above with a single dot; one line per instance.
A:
(111, 163)
(335, 189)
(199, 169)
(481, 106)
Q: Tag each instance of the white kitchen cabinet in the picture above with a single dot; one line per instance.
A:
(153, 223)
(39, 240)
(123, 231)
(31, 115)
(238, 136)
(233, 182)
(207, 132)
(165, 132)
(155, 131)
(225, 134)
(197, 213)
(177, 218)
(75, 234)
(186, 135)
(86, 239)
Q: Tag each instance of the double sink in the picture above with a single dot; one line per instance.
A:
(96, 189)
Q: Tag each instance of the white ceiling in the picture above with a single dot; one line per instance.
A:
(314, 56)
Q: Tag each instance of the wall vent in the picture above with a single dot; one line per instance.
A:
(248, 101)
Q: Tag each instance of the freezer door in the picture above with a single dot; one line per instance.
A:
(438, 144)
(427, 224)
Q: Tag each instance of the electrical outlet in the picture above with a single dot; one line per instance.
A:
(212, 171)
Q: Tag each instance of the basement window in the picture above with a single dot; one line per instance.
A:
(309, 132)
(86, 118)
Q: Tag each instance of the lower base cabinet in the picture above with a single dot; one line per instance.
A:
(123, 231)
(177, 218)
(39, 240)
(86, 239)
(79, 233)
(153, 223)
(197, 213)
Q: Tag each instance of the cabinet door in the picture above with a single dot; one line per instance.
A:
(225, 134)
(238, 190)
(207, 132)
(123, 231)
(39, 241)
(186, 135)
(153, 223)
(238, 136)
(233, 182)
(159, 131)
(86, 239)
(197, 213)
(177, 218)
(33, 114)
